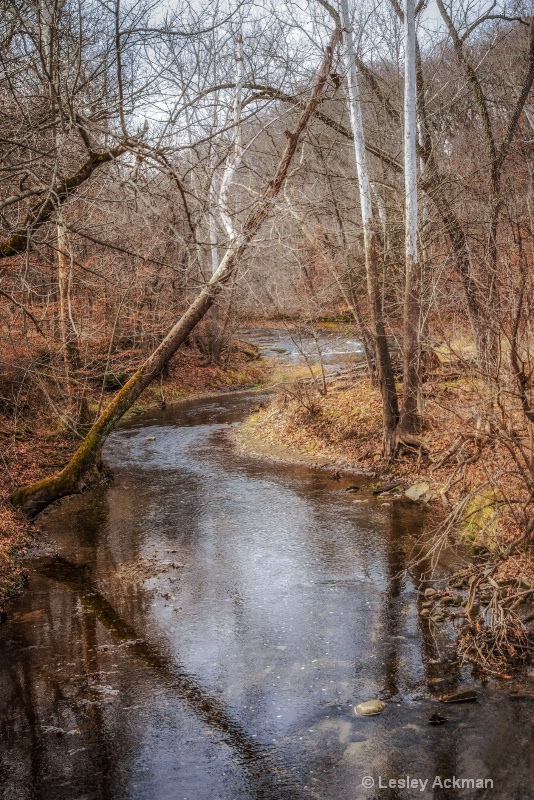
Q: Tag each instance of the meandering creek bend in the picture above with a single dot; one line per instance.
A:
(209, 622)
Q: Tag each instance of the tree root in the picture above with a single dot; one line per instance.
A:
(496, 647)
(411, 442)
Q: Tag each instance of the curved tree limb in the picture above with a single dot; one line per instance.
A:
(23, 309)
(41, 212)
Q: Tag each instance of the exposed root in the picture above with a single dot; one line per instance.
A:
(409, 441)
(497, 647)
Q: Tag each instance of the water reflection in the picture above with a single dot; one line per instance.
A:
(208, 625)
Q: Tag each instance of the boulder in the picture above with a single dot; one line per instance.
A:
(417, 491)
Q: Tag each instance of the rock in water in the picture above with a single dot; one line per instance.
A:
(437, 719)
(447, 600)
(370, 707)
(387, 488)
(417, 491)
(465, 696)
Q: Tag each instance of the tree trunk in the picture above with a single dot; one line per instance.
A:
(68, 333)
(411, 350)
(33, 498)
(386, 379)
(219, 201)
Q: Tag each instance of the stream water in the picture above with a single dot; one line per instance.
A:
(207, 626)
(336, 349)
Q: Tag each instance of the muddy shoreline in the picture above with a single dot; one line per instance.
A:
(248, 444)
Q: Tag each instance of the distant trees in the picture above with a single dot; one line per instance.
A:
(496, 113)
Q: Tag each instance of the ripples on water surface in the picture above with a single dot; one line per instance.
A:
(207, 626)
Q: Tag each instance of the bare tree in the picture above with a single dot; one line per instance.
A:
(411, 322)
(390, 407)
(72, 478)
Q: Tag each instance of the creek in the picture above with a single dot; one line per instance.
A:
(203, 627)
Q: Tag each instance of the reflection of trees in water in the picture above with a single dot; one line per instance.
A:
(20, 719)
(268, 778)
(435, 754)
(42, 704)
(403, 552)
(39, 696)
(104, 767)
(83, 530)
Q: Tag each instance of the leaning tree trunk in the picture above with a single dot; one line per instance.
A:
(33, 498)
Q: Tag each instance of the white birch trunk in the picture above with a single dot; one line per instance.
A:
(390, 409)
(412, 285)
(212, 225)
(410, 132)
(356, 123)
(233, 161)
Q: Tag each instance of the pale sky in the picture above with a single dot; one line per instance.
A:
(431, 11)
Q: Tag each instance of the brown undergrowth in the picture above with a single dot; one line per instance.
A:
(36, 442)
(478, 476)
